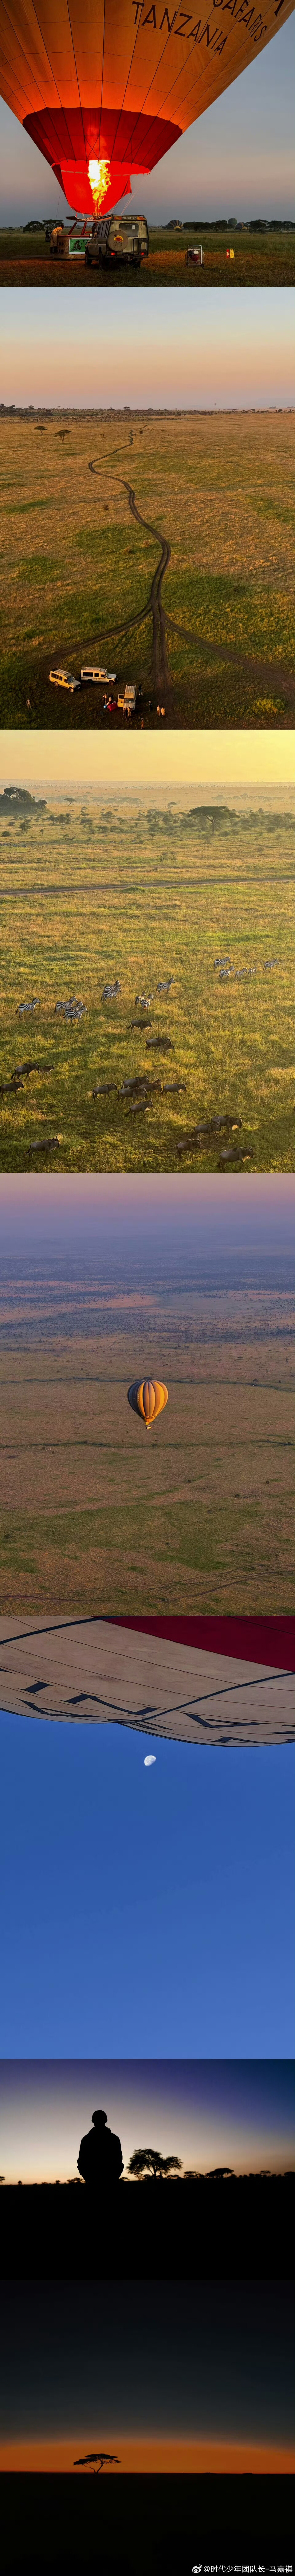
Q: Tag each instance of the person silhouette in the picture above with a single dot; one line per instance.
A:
(100, 2160)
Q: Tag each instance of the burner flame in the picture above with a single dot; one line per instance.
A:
(99, 175)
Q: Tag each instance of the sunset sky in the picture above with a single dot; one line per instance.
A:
(127, 1213)
(161, 351)
(216, 760)
(238, 158)
(209, 2112)
(104, 2364)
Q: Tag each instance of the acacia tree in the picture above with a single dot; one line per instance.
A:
(98, 2460)
(148, 2161)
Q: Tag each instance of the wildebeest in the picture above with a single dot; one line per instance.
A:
(15, 1084)
(236, 1155)
(34, 1068)
(165, 988)
(134, 1106)
(226, 1120)
(104, 1088)
(44, 1144)
(174, 1086)
(220, 961)
(110, 991)
(138, 1024)
(207, 1129)
(159, 1041)
(132, 1082)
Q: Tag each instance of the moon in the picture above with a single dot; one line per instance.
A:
(148, 1759)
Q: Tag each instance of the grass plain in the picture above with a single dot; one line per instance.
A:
(93, 891)
(96, 1513)
(77, 567)
(261, 259)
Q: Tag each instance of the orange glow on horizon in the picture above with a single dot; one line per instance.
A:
(143, 2458)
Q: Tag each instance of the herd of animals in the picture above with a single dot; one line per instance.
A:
(138, 1091)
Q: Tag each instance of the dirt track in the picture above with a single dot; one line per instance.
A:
(271, 673)
(154, 606)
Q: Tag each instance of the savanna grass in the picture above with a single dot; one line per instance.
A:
(76, 567)
(261, 259)
(89, 894)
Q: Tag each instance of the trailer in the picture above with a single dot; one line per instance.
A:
(70, 243)
(127, 699)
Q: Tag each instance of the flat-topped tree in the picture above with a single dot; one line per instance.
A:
(98, 2460)
(148, 2161)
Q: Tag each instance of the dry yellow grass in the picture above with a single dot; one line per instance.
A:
(76, 567)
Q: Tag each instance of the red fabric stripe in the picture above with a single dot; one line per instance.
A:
(260, 1641)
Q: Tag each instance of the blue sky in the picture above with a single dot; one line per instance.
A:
(238, 159)
(144, 1913)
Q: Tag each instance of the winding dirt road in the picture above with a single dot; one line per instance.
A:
(271, 674)
(154, 605)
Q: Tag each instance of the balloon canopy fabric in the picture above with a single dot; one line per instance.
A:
(148, 1399)
(104, 90)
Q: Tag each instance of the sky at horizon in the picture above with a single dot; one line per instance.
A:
(131, 1215)
(148, 2458)
(214, 760)
(148, 2359)
(221, 355)
(144, 1911)
(238, 158)
(209, 2113)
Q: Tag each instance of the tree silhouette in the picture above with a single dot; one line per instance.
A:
(216, 2173)
(147, 2160)
(62, 433)
(98, 2460)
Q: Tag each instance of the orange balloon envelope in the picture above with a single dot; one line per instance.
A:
(104, 90)
(148, 1399)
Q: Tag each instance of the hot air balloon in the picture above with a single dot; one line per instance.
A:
(104, 90)
(148, 1399)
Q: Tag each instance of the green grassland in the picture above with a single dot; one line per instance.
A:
(76, 569)
(94, 1512)
(98, 891)
(261, 259)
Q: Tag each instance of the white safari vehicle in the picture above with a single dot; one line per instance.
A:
(93, 671)
(64, 680)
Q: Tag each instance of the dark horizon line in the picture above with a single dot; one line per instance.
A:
(146, 411)
(211, 2173)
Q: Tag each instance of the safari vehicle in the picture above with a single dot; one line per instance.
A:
(127, 698)
(64, 680)
(90, 672)
(118, 237)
